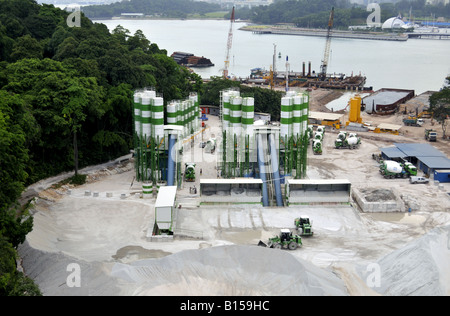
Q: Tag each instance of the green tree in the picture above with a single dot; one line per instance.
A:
(13, 150)
(26, 47)
(440, 106)
(13, 282)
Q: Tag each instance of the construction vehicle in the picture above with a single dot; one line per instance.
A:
(286, 240)
(189, 172)
(326, 57)
(229, 43)
(412, 121)
(210, 145)
(392, 169)
(351, 142)
(430, 135)
(410, 169)
(317, 147)
(304, 227)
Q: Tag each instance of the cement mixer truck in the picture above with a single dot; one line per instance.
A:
(189, 172)
(317, 147)
(351, 142)
(391, 169)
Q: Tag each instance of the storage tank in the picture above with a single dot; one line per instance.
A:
(158, 118)
(137, 113)
(236, 114)
(305, 109)
(146, 117)
(226, 109)
(172, 113)
(286, 117)
(297, 116)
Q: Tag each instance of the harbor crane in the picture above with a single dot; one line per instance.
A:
(326, 56)
(229, 43)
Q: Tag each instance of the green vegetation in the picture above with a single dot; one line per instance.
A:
(266, 100)
(66, 102)
(179, 9)
(440, 106)
(315, 13)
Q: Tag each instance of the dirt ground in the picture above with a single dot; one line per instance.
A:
(217, 254)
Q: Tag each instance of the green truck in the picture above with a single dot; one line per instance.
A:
(304, 227)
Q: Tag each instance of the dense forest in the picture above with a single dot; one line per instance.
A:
(66, 101)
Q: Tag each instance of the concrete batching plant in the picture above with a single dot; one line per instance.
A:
(268, 152)
(157, 146)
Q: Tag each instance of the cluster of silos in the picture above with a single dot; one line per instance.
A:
(153, 140)
(184, 113)
(293, 133)
(238, 139)
(149, 134)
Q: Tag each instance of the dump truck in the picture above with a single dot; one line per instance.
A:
(304, 227)
(286, 240)
(189, 172)
(430, 135)
(413, 122)
(392, 169)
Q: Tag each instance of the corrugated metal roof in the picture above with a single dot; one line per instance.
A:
(419, 150)
(393, 152)
(436, 162)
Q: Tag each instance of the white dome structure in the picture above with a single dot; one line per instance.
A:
(393, 23)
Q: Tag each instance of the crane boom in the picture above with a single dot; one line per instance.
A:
(326, 56)
(229, 43)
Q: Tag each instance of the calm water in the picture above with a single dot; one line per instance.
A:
(418, 64)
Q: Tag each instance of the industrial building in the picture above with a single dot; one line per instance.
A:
(386, 101)
(427, 158)
(317, 191)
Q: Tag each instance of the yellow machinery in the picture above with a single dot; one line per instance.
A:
(354, 115)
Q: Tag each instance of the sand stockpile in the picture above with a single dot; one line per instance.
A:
(228, 270)
(420, 268)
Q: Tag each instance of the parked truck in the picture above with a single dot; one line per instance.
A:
(410, 169)
(351, 142)
(392, 169)
(317, 147)
(189, 172)
(430, 135)
(413, 122)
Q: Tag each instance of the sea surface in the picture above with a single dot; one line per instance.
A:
(417, 64)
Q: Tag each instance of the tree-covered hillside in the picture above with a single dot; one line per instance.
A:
(66, 102)
(179, 9)
(315, 13)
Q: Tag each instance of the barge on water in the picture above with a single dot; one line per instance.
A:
(191, 61)
(308, 79)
